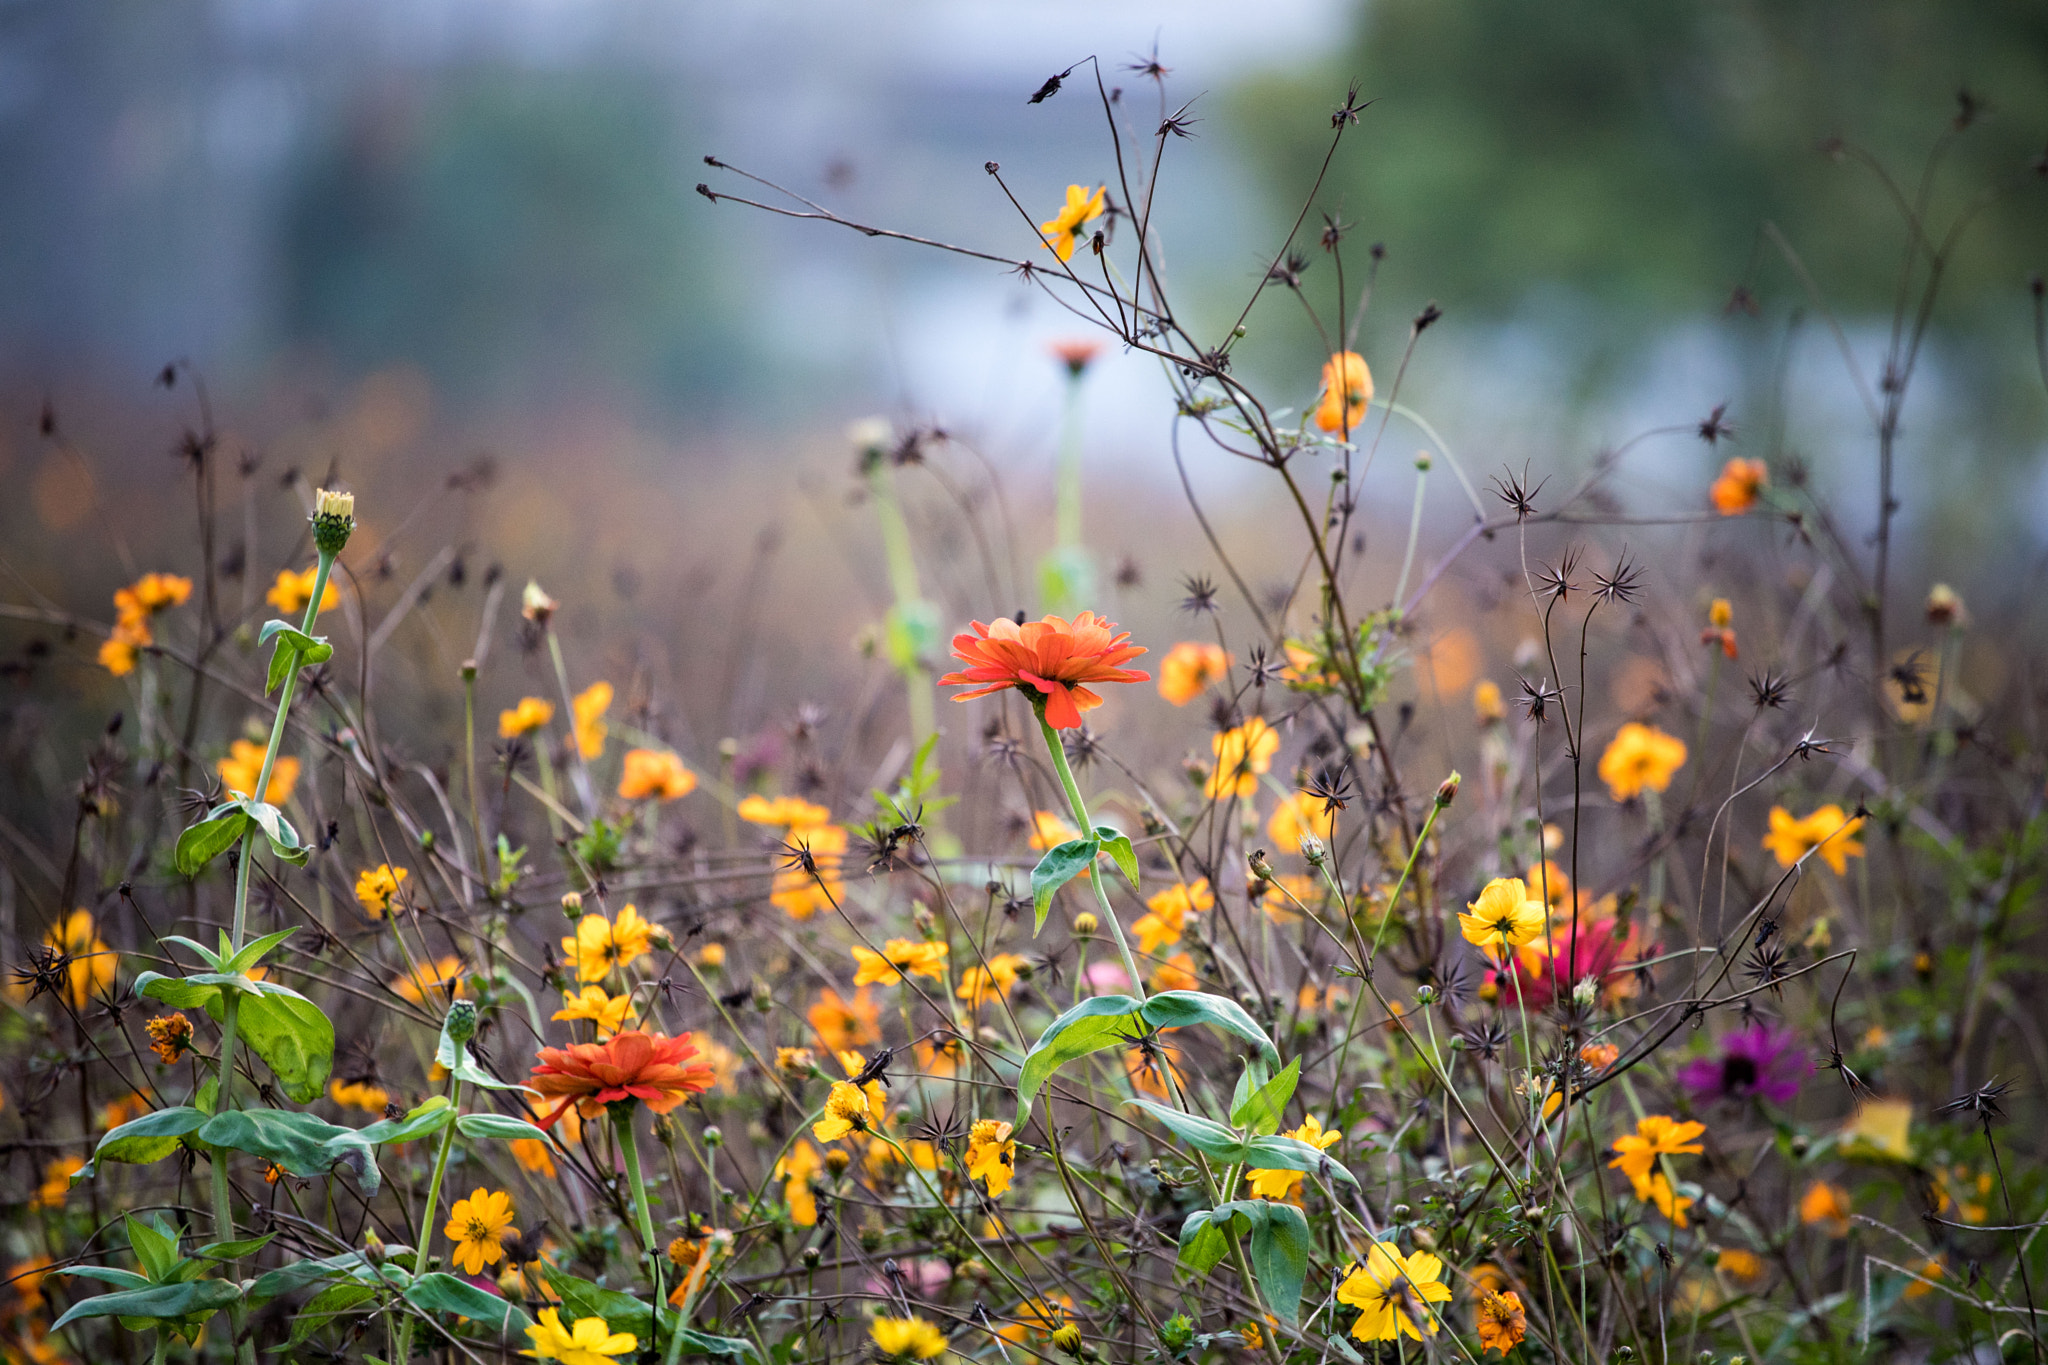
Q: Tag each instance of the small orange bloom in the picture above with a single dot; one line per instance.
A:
(290, 593)
(1347, 392)
(633, 1065)
(1740, 484)
(1640, 756)
(1502, 1321)
(843, 1024)
(244, 764)
(1188, 668)
(1051, 656)
(1827, 1206)
(656, 773)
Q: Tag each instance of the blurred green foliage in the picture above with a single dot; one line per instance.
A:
(1630, 152)
(510, 230)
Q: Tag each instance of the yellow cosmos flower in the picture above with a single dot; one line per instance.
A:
(1505, 916)
(796, 892)
(608, 1012)
(479, 1226)
(1639, 758)
(1829, 829)
(1656, 1189)
(1283, 1185)
(978, 984)
(917, 1338)
(846, 1111)
(591, 1341)
(1881, 1128)
(790, 812)
(525, 718)
(244, 764)
(656, 773)
(900, 958)
(1067, 227)
(1394, 1291)
(1487, 706)
(991, 1155)
(589, 706)
(377, 887)
(290, 593)
(1188, 669)
(91, 969)
(795, 1171)
(362, 1095)
(533, 1155)
(842, 1023)
(601, 944)
(1296, 815)
(1656, 1135)
(1242, 754)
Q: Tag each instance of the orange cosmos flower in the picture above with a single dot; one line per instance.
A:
(244, 764)
(1347, 391)
(1640, 756)
(652, 772)
(632, 1065)
(843, 1024)
(290, 593)
(1188, 668)
(1076, 354)
(1740, 484)
(1052, 656)
(530, 715)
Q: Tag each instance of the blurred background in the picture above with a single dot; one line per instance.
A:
(416, 242)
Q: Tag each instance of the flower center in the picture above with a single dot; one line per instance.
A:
(476, 1231)
(1737, 1074)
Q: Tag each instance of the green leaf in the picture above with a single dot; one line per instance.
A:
(201, 989)
(1260, 1110)
(284, 840)
(440, 1293)
(152, 1137)
(234, 1251)
(1202, 1243)
(1279, 1255)
(1098, 1022)
(1117, 845)
(292, 1035)
(582, 1299)
(155, 1246)
(503, 1127)
(696, 1343)
(1255, 1074)
(323, 1308)
(216, 834)
(206, 955)
(1060, 865)
(425, 1121)
(289, 1279)
(252, 953)
(302, 1144)
(1180, 1009)
(1205, 1135)
(161, 1301)
(294, 647)
(1292, 1154)
(106, 1274)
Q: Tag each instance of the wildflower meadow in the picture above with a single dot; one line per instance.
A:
(1568, 933)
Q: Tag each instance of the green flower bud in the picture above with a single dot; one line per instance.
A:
(461, 1025)
(334, 517)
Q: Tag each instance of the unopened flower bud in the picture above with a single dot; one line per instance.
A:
(764, 998)
(535, 605)
(1944, 605)
(1068, 1338)
(870, 437)
(811, 1257)
(334, 516)
(1425, 994)
(1533, 1214)
(572, 904)
(1398, 1212)
(1261, 869)
(664, 1130)
(373, 1249)
(1312, 849)
(1447, 790)
(469, 670)
(1425, 1238)
(1086, 923)
(1586, 992)
(461, 1023)
(837, 1160)
(1422, 461)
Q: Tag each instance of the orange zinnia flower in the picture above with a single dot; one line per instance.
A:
(633, 1065)
(1051, 656)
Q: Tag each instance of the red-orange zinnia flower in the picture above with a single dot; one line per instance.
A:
(633, 1065)
(1051, 655)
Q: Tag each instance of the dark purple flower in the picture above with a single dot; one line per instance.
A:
(1760, 1060)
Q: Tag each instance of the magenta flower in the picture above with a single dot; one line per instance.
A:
(1758, 1061)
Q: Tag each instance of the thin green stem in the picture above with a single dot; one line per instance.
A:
(1080, 808)
(426, 1237)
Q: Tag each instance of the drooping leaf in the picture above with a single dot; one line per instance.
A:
(289, 1279)
(302, 1144)
(152, 1137)
(442, 1293)
(284, 840)
(1060, 865)
(200, 844)
(106, 1274)
(1202, 1243)
(1117, 845)
(1292, 1154)
(323, 1308)
(582, 1299)
(159, 1301)
(1261, 1110)
(696, 1343)
(425, 1121)
(1279, 1255)
(502, 1127)
(1098, 1022)
(292, 1035)
(1205, 1135)
(1180, 1009)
